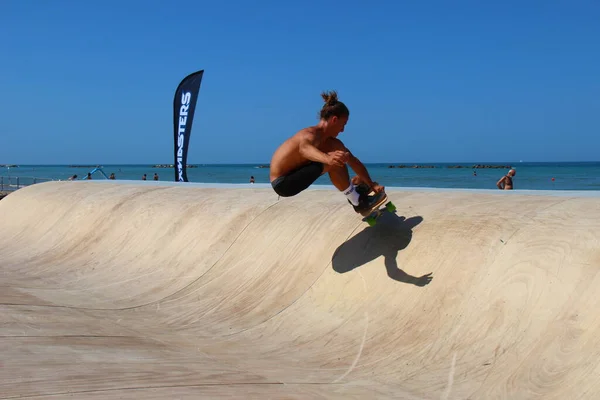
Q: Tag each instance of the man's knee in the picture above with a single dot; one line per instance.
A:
(333, 144)
(336, 170)
(333, 169)
(356, 180)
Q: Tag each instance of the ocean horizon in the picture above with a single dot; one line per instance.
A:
(543, 175)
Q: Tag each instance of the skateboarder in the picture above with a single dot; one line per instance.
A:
(315, 150)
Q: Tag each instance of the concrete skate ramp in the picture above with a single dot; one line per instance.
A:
(135, 291)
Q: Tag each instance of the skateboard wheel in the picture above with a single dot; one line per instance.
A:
(371, 220)
(390, 206)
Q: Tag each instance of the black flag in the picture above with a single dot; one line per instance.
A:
(184, 105)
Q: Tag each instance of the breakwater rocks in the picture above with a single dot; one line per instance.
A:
(452, 166)
(8, 166)
(173, 166)
(484, 166)
(411, 166)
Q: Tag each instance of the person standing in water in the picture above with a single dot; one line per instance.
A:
(506, 182)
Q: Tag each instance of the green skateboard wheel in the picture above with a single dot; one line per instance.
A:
(371, 220)
(390, 207)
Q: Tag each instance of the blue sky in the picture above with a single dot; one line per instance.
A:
(427, 81)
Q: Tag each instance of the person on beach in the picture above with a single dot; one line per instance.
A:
(315, 150)
(506, 182)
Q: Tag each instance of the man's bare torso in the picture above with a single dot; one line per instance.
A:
(288, 157)
(507, 183)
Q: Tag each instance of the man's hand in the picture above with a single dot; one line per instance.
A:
(500, 183)
(338, 158)
(374, 186)
(377, 188)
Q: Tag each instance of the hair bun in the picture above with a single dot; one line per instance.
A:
(330, 98)
(332, 106)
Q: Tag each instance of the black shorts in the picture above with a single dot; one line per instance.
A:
(297, 180)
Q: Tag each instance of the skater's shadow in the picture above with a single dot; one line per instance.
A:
(390, 235)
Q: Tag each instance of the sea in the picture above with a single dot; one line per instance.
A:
(468, 175)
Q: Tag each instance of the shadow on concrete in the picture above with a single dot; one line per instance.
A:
(390, 235)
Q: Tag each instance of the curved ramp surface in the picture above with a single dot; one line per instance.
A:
(127, 291)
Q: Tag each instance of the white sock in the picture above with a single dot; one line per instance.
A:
(352, 195)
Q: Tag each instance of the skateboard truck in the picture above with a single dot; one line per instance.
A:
(371, 219)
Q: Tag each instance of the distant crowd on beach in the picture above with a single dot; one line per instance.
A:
(112, 176)
(504, 183)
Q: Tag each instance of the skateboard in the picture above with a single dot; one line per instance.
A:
(371, 216)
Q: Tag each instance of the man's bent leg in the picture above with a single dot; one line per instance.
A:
(339, 175)
(297, 180)
(341, 180)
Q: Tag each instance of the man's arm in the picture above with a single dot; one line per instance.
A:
(358, 167)
(309, 151)
(500, 183)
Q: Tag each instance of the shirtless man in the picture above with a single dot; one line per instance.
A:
(315, 150)
(506, 182)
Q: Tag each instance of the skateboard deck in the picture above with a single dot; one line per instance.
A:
(377, 210)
